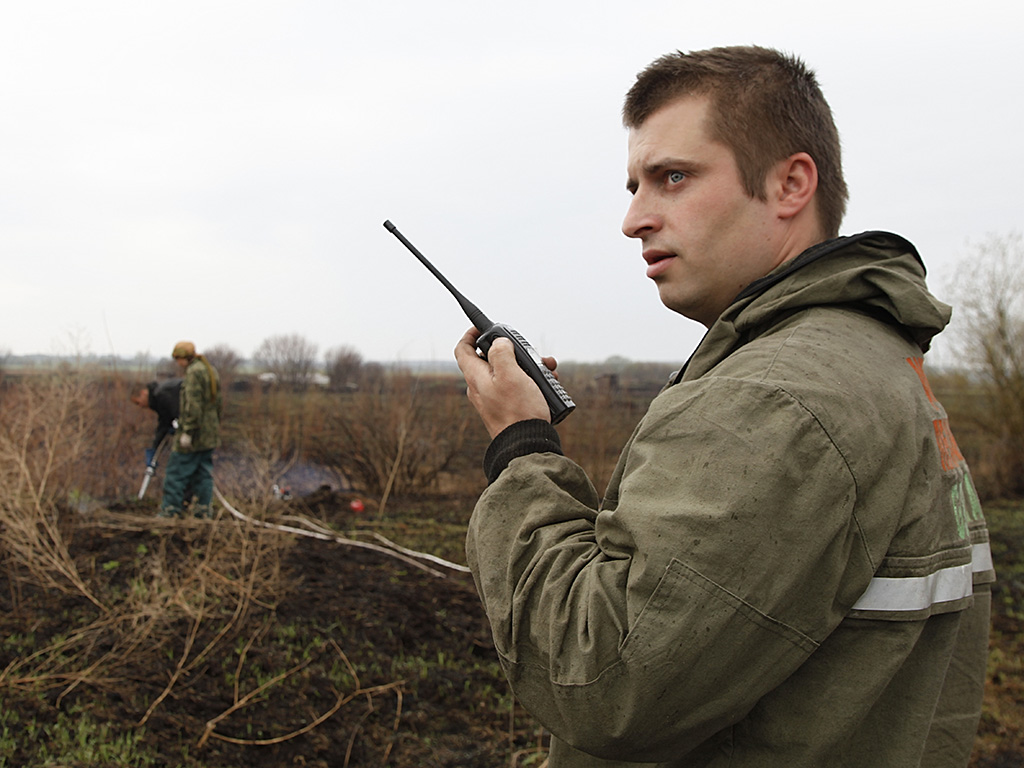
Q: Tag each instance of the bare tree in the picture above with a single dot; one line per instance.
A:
(291, 358)
(343, 366)
(226, 360)
(166, 368)
(397, 436)
(989, 331)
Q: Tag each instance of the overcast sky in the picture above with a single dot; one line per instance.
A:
(220, 171)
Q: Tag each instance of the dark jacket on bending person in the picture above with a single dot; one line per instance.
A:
(164, 398)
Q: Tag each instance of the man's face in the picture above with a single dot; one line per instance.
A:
(141, 398)
(704, 238)
(182, 362)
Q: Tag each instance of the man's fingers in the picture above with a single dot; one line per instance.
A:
(497, 387)
(502, 354)
(465, 350)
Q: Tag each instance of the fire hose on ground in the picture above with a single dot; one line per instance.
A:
(315, 531)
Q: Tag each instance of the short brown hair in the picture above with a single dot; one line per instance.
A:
(765, 106)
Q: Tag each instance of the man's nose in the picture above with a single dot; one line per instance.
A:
(640, 218)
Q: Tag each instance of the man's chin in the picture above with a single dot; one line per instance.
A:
(687, 309)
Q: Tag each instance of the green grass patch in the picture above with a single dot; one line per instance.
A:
(47, 737)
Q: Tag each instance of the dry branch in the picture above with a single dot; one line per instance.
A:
(342, 700)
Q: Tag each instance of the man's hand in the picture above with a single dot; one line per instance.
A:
(498, 388)
(185, 441)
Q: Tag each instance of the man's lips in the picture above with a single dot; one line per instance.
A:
(657, 261)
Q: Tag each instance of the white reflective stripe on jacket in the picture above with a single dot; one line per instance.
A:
(917, 593)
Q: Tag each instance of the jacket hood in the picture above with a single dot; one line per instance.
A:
(878, 273)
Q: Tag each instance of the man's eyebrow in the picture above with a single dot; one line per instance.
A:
(657, 167)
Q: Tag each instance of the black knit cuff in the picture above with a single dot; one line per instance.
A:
(520, 439)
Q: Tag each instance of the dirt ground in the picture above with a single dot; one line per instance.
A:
(396, 662)
(351, 658)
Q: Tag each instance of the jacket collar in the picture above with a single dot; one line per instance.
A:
(746, 312)
(820, 251)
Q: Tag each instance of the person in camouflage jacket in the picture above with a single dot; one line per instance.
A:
(198, 434)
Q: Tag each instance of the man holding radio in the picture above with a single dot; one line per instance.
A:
(789, 566)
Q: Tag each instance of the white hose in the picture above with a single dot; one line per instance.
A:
(319, 532)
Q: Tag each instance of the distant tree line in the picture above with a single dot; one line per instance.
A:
(983, 393)
(293, 363)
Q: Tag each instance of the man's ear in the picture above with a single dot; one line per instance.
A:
(796, 182)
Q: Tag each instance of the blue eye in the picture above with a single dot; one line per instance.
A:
(674, 177)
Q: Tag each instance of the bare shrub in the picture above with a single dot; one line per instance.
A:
(373, 377)
(395, 438)
(989, 332)
(227, 362)
(187, 599)
(233, 569)
(343, 366)
(265, 441)
(611, 398)
(184, 598)
(68, 441)
(113, 464)
(290, 357)
(166, 368)
(44, 432)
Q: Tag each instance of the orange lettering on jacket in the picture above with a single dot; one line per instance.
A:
(917, 363)
(949, 451)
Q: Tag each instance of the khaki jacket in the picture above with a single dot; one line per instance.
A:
(790, 565)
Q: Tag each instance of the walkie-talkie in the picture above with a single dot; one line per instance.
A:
(559, 402)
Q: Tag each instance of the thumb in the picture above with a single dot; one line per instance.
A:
(501, 354)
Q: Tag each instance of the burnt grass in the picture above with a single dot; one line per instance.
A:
(379, 663)
(343, 620)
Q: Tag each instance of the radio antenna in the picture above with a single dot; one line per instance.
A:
(478, 318)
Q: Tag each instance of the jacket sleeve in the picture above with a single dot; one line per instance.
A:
(162, 430)
(193, 394)
(724, 553)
